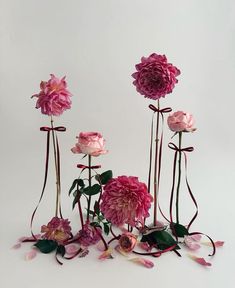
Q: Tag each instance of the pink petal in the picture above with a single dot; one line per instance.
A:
(71, 249)
(196, 237)
(106, 254)
(190, 242)
(200, 261)
(217, 243)
(30, 255)
(145, 246)
(16, 246)
(145, 262)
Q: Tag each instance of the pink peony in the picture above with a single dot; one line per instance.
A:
(181, 122)
(88, 235)
(125, 200)
(54, 98)
(155, 77)
(91, 143)
(57, 229)
(127, 241)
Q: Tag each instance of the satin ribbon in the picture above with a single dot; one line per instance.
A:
(48, 130)
(81, 166)
(158, 154)
(182, 150)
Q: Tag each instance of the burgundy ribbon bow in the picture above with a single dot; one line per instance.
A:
(48, 129)
(164, 110)
(81, 166)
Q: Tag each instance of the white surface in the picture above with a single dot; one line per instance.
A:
(96, 44)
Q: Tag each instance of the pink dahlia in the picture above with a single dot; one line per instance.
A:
(88, 235)
(125, 200)
(155, 77)
(57, 229)
(53, 98)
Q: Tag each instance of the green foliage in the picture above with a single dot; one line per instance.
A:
(162, 239)
(93, 190)
(104, 177)
(179, 229)
(61, 250)
(46, 246)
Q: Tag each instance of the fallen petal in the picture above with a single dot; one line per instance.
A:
(200, 261)
(120, 250)
(217, 243)
(145, 246)
(191, 243)
(100, 246)
(196, 237)
(71, 249)
(107, 254)
(16, 246)
(31, 254)
(142, 261)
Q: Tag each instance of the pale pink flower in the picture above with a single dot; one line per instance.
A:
(57, 229)
(192, 242)
(90, 143)
(155, 77)
(181, 122)
(89, 235)
(127, 241)
(142, 261)
(125, 200)
(53, 98)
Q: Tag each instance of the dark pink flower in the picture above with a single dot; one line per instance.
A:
(90, 143)
(53, 98)
(155, 77)
(125, 200)
(57, 229)
(89, 235)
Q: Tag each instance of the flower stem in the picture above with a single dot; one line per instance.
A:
(89, 180)
(179, 178)
(56, 170)
(156, 186)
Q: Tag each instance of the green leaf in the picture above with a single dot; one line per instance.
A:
(104, 177)
(61, 250)
(162, 239)
(96, 208)
(106, 228)
(179, 229)
(81, 183)
(75, 200)
(95, 224)
(46, 246)
(73, 186)
(93, 190)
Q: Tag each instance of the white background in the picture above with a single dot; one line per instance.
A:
(96, 45)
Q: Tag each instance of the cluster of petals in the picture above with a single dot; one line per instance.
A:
(54, 97)
(125, 200)
(89, 235)
(57, 229)
(90, 143)
(181, 122)
(155, 77)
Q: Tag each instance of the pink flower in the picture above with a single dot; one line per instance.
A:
(89, 235)
(155, 77)
(57, 229)
(125, 200)
(53, 98)
(181, 122)
(127, 241)
(192, 242)
(91, 143)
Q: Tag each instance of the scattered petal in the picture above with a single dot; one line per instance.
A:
(121, 251)
(217, 243)
(145, 246)
(142, 261)
(71, 249)
(191, 243)
(107, 254)
(196, 237)
(100, 246)
(16, 246)
(199, 260)
(31, 254)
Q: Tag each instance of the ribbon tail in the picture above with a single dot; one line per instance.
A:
(211, 240)
(59, 178)
(44, 183)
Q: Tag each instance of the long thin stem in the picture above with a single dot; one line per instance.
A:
(56, 170)
(89, 180)
(179, 178)
(156, 169)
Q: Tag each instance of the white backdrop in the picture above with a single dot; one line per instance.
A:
(96, 45)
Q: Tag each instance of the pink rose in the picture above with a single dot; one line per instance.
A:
(90, 143)
(181, 122)
(53, 98)
(127, 241)
(155, 77)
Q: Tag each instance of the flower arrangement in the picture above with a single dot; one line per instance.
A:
(116, 210)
